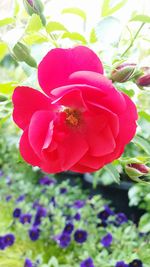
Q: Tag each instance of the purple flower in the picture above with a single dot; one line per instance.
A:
(104, 214)
(68, 228)
(37, 220)
(9, 197)
(121, 264)
(63, 190)
(20, 198)
(78, 204)
(2, 243)
(1, 173)
(25, 218)
(34, 233)
(16, 213)
(53, 201)
(87, 263)
(9, 240)
(28, 263)
(63, 240)
(121, 218)
(35, 204)
(107, 240)
(46, 181)
(136, 263)
(41, 212)
(80, 236)
(77, 216)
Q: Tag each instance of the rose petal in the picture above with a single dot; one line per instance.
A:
(72, 149)
(26, 101)
(26, 150)
(73, 99)
(58, 64)
(92, 162)
(41, 130)
(111, 95)
(101, 144)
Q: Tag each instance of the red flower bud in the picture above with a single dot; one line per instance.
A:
(33, 7)
(144, 80)
(123, 72)
(135, 170)
(140, 167)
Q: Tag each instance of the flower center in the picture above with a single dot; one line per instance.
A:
(72, 117)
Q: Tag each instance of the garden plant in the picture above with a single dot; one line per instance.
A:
(74, 122)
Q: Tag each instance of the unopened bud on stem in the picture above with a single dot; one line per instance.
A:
(144, 79)
(135, 170)
(35, 7)
(123, 72)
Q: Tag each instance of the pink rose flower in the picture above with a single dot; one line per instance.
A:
(81, 122)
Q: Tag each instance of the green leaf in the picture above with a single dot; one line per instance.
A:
(76, 11)
(6, 21)
(75, 36)
(34, 24)
(144, 224)
(3, 50)
(53, 26)
(7, 88)
(141, 142)
(144, 115)
(16, 8)
(93, 38)
(142, 18)
(35, 38)
(107, 10)
(111, 169)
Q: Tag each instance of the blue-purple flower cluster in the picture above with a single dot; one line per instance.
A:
(6, 241)
(76, 227)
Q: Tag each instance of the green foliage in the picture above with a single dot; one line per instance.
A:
(53, 26)
(76, 11)
(6, 21)
(108, 9)
(142, 18)
(34, 24)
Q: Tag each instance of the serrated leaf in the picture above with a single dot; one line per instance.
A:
(142, 18)
(35, 38)
(76, 11)
(107, 10)
(111, 169)
(35, 24)
(55, 26)
(141, 142)
(6, 21)
(74, 36)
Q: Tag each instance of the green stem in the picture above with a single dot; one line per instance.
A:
(134, 38)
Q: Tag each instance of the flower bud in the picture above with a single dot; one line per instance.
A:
(33, 6)
(135, 170)
(22, 53)
(123, 72)
(144, 80)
